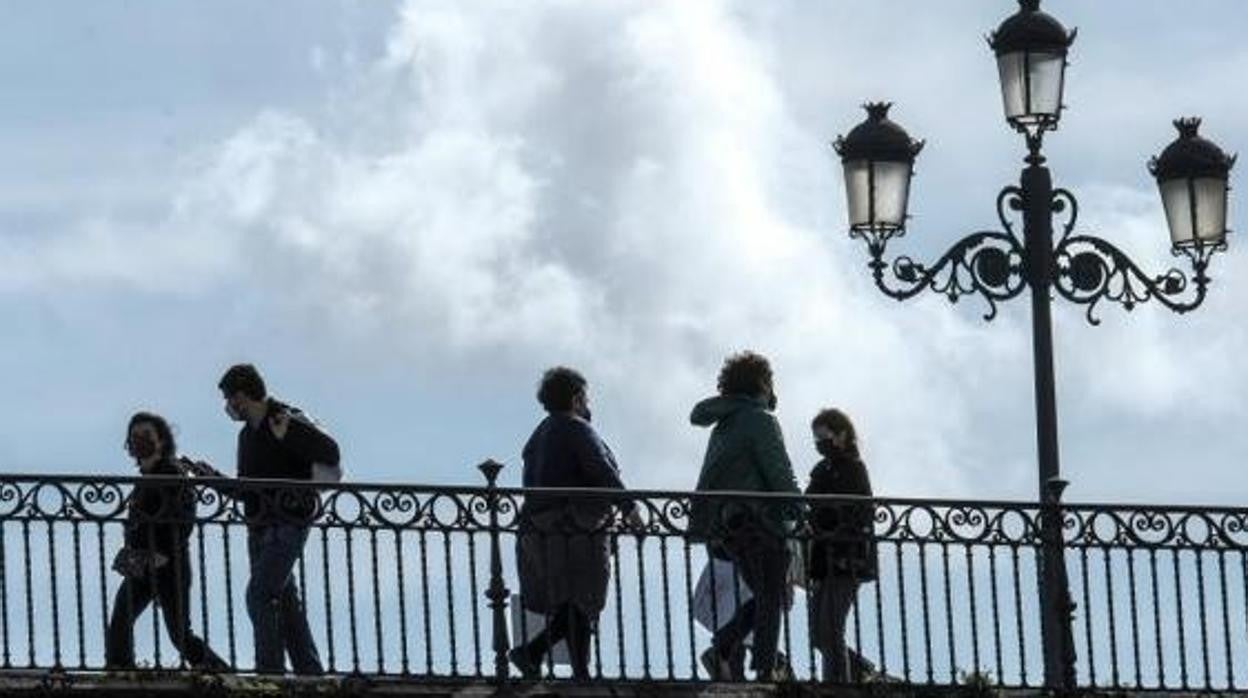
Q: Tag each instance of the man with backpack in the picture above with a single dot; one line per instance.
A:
(277, 441)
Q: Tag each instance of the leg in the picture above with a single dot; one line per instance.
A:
(578, 635)
(296, 632)
(763, 562)
(838, 597)
(262, 589)
(727, 661)
(173, 593)
(556, 630)
(729, 640)
(277, 616)
(132, 598)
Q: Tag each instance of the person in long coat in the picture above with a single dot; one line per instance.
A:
(843, 551)
(562, 551)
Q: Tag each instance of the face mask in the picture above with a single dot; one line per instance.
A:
(142, 449)
(585, 414)
(827, 448)
(771, 401)
(233, 413)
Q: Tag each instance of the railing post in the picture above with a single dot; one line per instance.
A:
(497, 592)
(1059, 608)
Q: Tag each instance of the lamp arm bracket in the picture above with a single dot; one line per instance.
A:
(1089, 270)
(988, 263)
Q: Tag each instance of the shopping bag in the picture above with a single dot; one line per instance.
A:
(718, 594)
(795, 576)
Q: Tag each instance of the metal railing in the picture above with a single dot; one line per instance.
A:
(420, 582)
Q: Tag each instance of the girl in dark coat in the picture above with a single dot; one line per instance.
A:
(843, 553)
(156, 561)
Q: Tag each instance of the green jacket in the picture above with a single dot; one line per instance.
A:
(745, 454)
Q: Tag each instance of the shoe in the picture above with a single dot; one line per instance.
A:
(211, 664)
(718, 667)
(780, 673)
(529, 668)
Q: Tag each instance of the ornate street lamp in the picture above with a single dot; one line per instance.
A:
(1031, 58)
(1192, 174)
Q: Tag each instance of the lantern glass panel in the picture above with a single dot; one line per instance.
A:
(892, 192)
(1208, 197)
(1210, 208)
(1177, 201)
(887, 182)
(1031, 85)
(857, 189)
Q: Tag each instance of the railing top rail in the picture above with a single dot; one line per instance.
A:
(614, 495)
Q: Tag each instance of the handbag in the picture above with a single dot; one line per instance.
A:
(134, 563)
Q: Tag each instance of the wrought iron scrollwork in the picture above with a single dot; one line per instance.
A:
(1090, 270)
(987, 263)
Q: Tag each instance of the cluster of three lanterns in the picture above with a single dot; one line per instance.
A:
(878, 155)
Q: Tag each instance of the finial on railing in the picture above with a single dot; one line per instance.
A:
(491, 468)
(1056, 486)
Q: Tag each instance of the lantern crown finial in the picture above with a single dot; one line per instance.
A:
(1188, 126)
(878, 138)
(1030, 29)
(877, 111)
(1191, 155)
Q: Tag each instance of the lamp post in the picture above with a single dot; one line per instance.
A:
(1192, 174)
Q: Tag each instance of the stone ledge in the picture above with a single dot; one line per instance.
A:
(37, 682)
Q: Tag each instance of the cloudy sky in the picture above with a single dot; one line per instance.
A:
(403, 212)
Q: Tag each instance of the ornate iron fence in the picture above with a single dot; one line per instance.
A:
(420, 581)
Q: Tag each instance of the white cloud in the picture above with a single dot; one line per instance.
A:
(639, 189)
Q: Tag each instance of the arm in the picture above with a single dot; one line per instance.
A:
(769, 453)
(598, 463)
(596, 460)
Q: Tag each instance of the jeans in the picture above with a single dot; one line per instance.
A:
(278, 620)
(762, 561)
(170, 586)
(831, 605)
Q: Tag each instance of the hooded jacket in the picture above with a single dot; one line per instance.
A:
(745, 453)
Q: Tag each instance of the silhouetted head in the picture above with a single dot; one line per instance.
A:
(834, 433)
(748, 374)
(244, 393)
(564, 390)
(149, 440)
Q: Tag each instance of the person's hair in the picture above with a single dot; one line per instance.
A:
(245, 379)
(558, 388)
(169, 448)
(837, 421)
(746, 373)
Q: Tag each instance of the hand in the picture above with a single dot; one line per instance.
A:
(279, 423)
(198, 468)
(634, 521)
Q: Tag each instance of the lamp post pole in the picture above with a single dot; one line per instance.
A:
(1056, 608)
(1192, 175)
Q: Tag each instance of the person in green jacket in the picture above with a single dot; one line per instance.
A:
(746, 453)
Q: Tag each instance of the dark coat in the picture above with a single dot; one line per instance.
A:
(262, 455)
(562, 551)
(161, 515)
(842, 532)
(745, 453)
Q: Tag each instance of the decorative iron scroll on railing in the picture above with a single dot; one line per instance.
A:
(420, 581)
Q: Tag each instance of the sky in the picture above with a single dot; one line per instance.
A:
(404, 212)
